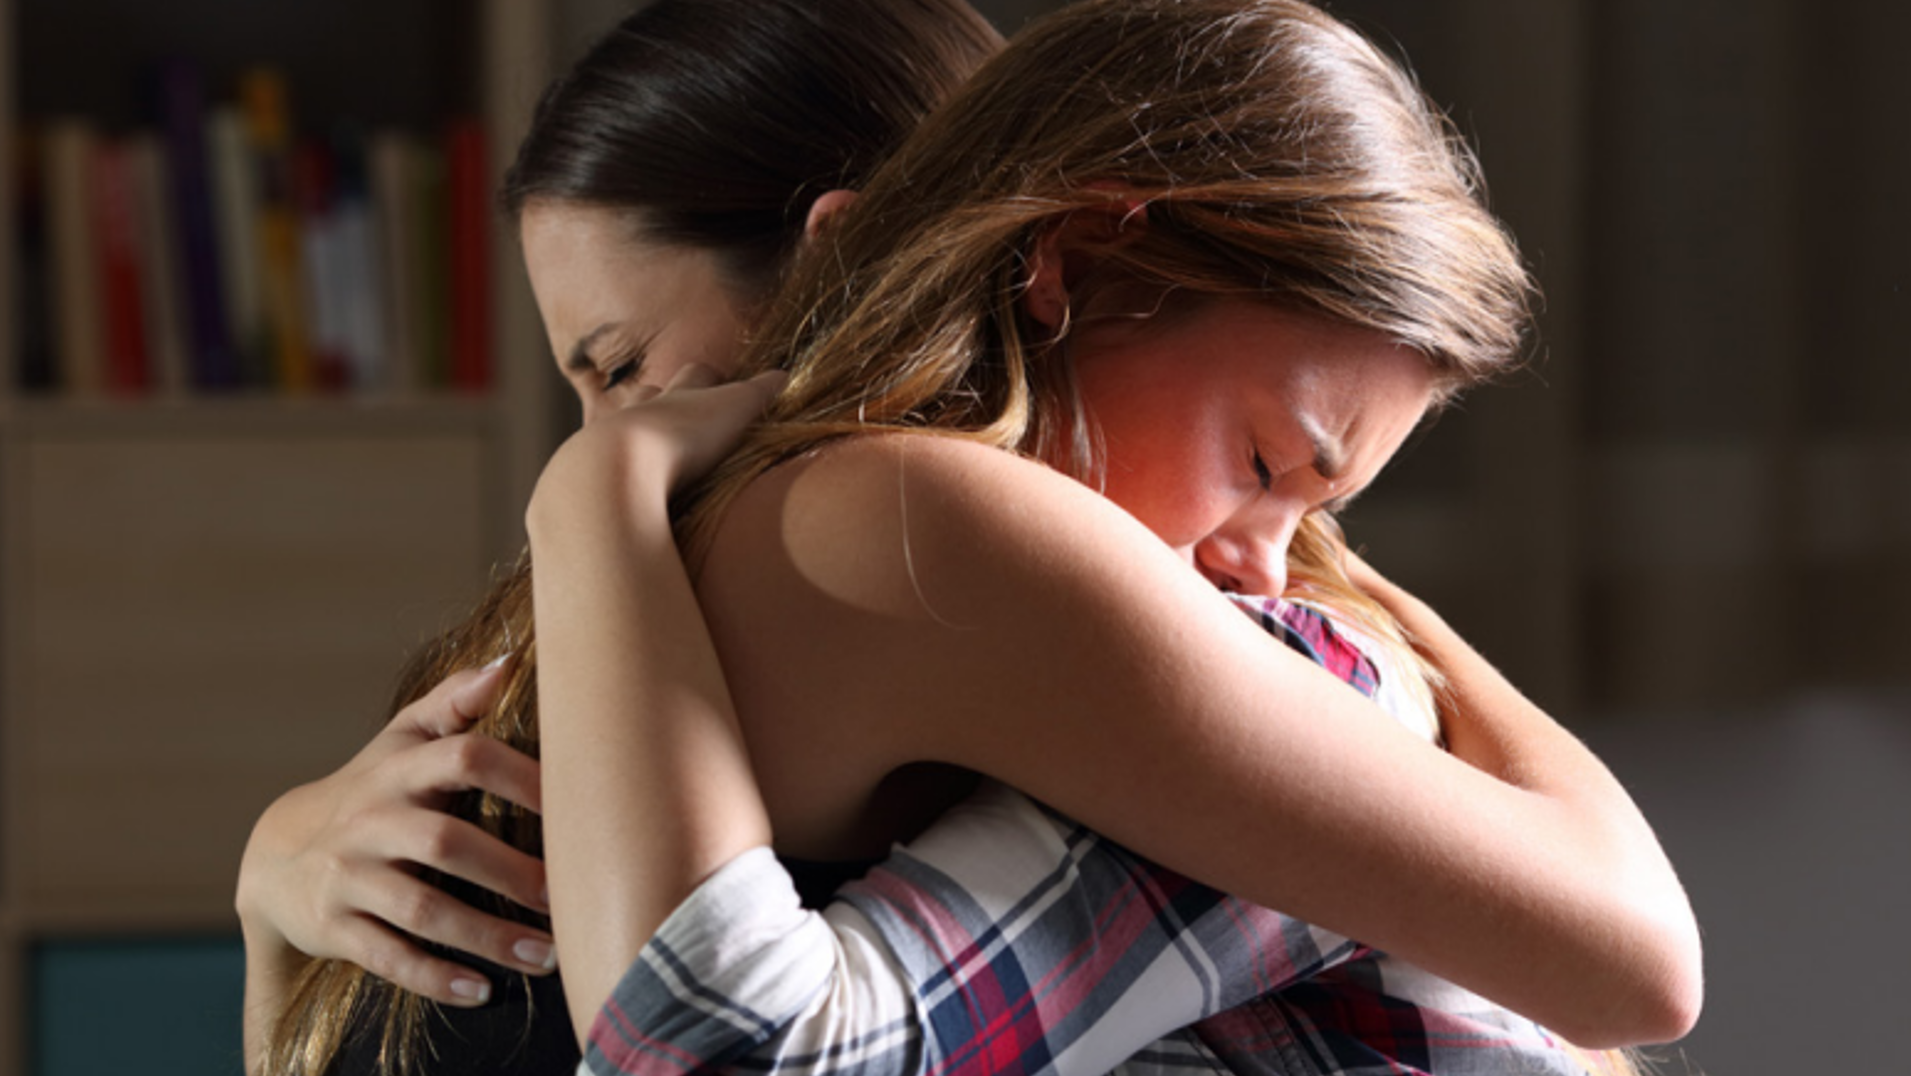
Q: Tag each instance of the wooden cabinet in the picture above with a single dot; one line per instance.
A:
(205, 599)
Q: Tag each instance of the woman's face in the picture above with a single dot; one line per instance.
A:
(621, 310)
(1227, 421)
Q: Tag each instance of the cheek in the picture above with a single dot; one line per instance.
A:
(1157, 465)
(1172, 482)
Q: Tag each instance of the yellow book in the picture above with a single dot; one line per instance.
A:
(262, 99)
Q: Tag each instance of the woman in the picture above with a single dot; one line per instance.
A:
(1247, 187)
(564, 350)
(722, 121)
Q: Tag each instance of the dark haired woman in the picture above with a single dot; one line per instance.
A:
(689, 148)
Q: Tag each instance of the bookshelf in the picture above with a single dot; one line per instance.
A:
(204, 596)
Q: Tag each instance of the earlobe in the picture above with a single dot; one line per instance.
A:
(1070, 249)
(1046, 297)
(826, 206)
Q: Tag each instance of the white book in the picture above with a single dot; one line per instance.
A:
(361, 285)
(391, 158)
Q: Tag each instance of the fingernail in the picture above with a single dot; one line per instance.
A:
(537, 954)
(476, 991)
(495, 663)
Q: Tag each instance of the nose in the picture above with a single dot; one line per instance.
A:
(1249, 555)
(592, 407)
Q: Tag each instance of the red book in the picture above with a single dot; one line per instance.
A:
(468, 256)
(117, 235)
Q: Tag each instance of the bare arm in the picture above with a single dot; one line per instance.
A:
(328, 870)
(638, 720)
(912, 599)
(1499, 731)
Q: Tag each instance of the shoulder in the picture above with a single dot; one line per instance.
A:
(887, 572)
(916, 516)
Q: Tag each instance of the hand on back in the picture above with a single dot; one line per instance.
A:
(332, 869)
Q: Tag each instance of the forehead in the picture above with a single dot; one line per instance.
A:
(598, 279)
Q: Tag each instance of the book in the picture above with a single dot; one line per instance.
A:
(73, 257)
(262, 97)
(33, 292)
(183, 112)
(468, 256)
(313, 184)
(429, 218)
(234, 180)
(159, 250)
(117, 237)
(391, 164)
(356, 260)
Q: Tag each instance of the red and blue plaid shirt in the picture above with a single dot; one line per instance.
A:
(1009, 939)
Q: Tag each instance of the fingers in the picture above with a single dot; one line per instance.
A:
(391, 956)
(453, 846)
(425, 911)
(693, 375)
(455, 703)
(467, 762)
(475, 698)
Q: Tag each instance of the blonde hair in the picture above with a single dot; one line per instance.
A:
(1275, 152)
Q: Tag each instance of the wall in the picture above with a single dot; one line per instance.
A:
(1787, 826)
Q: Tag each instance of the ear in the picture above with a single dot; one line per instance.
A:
(1070, 249)
(826, 206)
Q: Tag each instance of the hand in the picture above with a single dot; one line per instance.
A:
(650, 448)
(331, 867)
(695, 420)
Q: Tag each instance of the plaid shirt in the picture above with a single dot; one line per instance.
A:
(1010, 939)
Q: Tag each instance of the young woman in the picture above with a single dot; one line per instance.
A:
(1215, 258)
(718, 123)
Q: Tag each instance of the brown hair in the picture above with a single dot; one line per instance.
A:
(719, 122)
(715, 123)
(1277, 153)
(334, 998)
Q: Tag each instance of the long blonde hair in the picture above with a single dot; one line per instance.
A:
(1276, 153)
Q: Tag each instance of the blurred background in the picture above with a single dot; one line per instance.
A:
(1685, 529)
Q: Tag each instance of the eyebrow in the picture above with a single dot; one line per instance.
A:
(1330, 455)
(579, 360)
(1330, 461)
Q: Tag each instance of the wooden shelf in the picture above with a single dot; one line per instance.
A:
(204, 599)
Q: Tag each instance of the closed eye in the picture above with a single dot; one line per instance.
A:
(622, 372)
(1261, 472)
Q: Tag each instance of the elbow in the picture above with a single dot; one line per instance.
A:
(1657, 1001)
